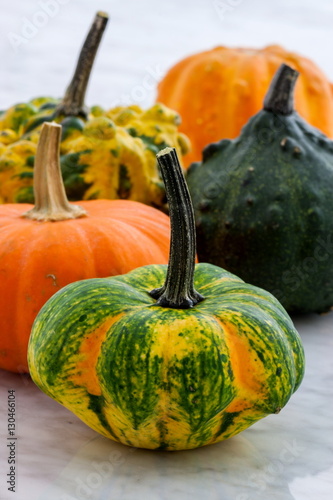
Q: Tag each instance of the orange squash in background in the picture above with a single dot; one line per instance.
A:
(218, 90)
(46, 247)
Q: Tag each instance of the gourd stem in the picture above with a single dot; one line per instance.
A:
(280, 96)
(73, 102)
(178, 290)
(51, 203)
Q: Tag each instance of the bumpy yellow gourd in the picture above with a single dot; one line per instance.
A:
(105, 154)
(16, 175)
(111, 156)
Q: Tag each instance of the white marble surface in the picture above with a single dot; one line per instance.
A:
(283, 457)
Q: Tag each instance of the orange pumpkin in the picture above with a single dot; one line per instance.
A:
(43, 248)
(218, 90)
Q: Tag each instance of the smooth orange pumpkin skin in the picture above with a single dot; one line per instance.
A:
(218, 90)
(39, 258)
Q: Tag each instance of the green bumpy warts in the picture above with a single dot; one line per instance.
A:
(263, 206)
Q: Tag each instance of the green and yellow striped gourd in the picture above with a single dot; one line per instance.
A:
(168, 366)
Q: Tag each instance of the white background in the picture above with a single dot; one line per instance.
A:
(146, 34)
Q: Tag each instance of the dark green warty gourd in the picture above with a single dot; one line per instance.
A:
(264, 203)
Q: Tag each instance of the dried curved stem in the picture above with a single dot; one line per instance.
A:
(73, 102)
(280, 96)
(178, 291)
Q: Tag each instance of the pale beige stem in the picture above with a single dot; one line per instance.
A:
(51, 203)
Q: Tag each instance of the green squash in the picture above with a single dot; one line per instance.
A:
(173, 366)
(264, 206)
